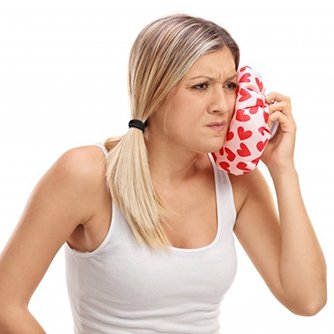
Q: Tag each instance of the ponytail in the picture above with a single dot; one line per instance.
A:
(131, 186)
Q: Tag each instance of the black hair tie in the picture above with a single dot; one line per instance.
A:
(138, 124)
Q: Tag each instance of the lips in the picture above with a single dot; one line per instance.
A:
(217, 125)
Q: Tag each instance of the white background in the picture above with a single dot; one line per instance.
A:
(63, 70)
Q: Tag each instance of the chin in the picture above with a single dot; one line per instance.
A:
(213, 147)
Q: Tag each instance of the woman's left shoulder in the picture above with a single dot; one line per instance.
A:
(245, 185)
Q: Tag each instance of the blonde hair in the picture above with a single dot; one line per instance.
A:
(160, 57)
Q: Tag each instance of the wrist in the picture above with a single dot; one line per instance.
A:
(287, 171)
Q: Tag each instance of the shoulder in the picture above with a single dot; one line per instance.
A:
(77, 177)
(246, 186)
(83, 162)
(84, 166)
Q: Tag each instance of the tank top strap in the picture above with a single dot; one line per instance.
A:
(224, 196)
(102, 147)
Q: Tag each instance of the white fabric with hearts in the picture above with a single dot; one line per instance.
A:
(248, 133)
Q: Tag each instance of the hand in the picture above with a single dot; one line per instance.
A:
(279, 153)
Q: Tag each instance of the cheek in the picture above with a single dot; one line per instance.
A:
(182, 120)
(180, 125)
(185, 110)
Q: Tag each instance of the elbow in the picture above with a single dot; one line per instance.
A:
(314, 308)
(309, 308)
(307, 300)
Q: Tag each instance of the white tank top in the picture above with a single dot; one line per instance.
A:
(123, 287)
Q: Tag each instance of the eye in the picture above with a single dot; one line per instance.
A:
(201, 86)
(230, 85)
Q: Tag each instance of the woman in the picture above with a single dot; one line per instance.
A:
(148, 221)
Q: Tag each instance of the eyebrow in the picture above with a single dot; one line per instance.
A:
(234, 76)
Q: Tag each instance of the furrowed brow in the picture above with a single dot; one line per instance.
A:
(232, 77)
(202, 77)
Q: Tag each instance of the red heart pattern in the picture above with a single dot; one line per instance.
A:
(225, 165)
(259, 84)
(243, 150)
(248, 133)
(244, 95)
(261, 145)
(244, 134)
(245, 77)
(230, 156)
(241, 117)
(243, 166)
(229, 135)
(263, 129)
(254, 110)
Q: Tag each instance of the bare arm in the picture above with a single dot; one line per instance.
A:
(61, 200)
(16, 319)
(303, 268)
(283, 246)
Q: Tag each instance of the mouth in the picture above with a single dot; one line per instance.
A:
(217, 126)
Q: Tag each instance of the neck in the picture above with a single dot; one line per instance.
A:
(172, 164)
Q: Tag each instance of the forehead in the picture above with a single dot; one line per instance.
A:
(217, 63)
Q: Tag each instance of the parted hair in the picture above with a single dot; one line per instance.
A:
(160, 57)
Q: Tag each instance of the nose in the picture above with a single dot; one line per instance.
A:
(222, 102)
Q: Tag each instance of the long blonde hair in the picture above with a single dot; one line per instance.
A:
(160, 57)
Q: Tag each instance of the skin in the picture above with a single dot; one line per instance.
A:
(178, 139)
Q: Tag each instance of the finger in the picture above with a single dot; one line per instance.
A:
(280, 102)
(283, 107)
(285, 123)
(273, 129)
(277, 97)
